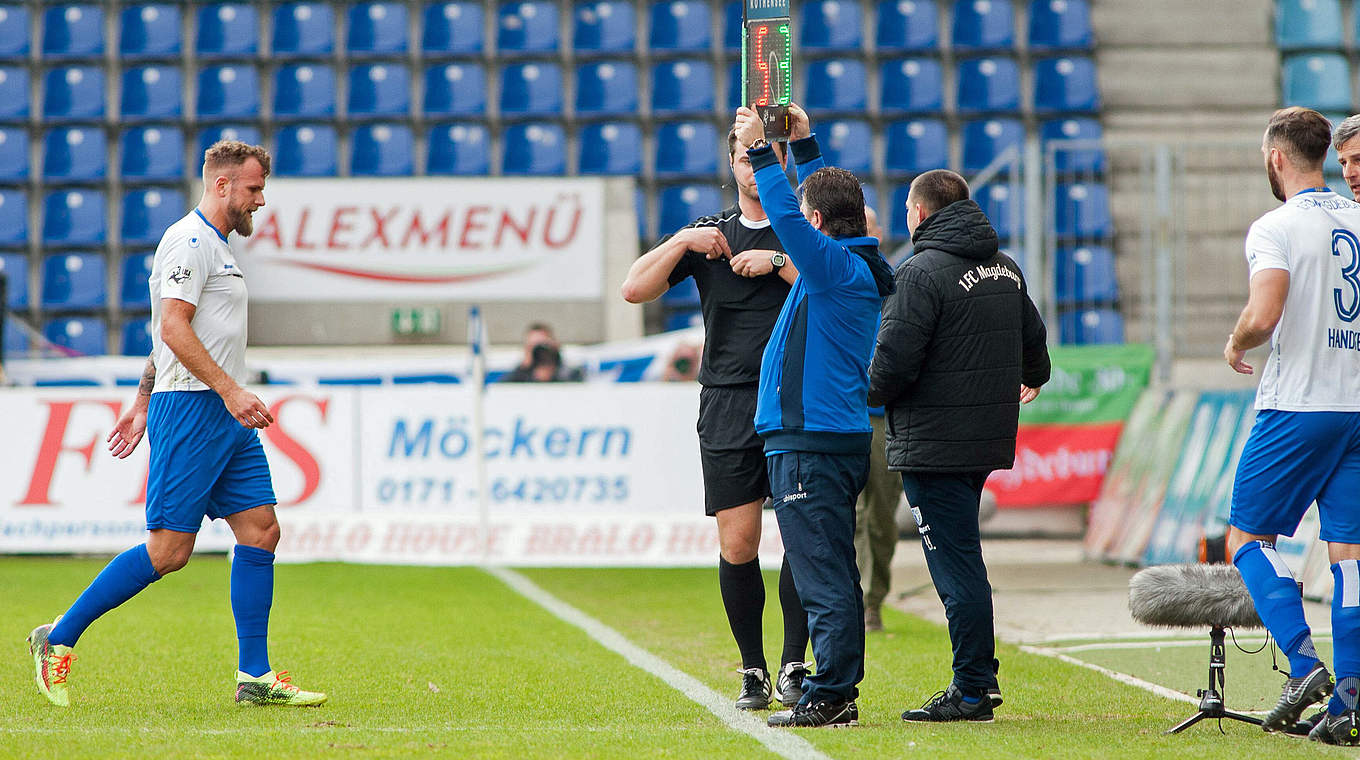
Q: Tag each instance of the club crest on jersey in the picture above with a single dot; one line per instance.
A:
(193, 242)
(180, 275)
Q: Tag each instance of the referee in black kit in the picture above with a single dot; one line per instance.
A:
(961, 346)
(743, 276)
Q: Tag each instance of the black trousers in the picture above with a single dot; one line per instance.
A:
(945, 506)
(814, 501)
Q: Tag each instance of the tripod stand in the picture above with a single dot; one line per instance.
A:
(1211, 699)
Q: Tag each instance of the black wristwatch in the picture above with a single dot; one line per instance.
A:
(778, 260)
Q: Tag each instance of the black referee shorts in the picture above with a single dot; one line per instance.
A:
(733, 456)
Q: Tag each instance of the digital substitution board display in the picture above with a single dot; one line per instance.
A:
(767, 64)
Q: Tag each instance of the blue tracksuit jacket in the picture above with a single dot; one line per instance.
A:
(814, 375)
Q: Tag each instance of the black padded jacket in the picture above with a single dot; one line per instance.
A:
(957, 340)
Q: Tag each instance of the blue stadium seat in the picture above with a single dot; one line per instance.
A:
(74, 154)
(606, 88)
(682, 87)
(983, 26)
(13, 32)
(136, 340)
(916, 146)
(915, 85)
(1077, 160)
(613, 147)
(1081, 210)
(734, 85)
(83, 336)
(1066, 25)
(303, 30)
(149, 31)
(455, 89)
(1091, 326)
(988, 85)
(527, 27)
(73, 281)
(1308, 24)
(13, 217)
(306, 150)
(897, 220)
(682, 204)
(831, 25)
(15, 340)
(643, 215)
(227, 30)
(732, 30)
(73, 31)
(13, 154)
(1066, 85)
(149, 212)
(134, 294)
(376, 29)
(836, 84)
(151, 154)
(538, 148)
(383, 150)
(452, 29)
(208, 136)
(74, 93)
(304, 91)
(151, 93)
(682, 295)
(870, 197)
(604, 27)
(908, 26)
(848, 144)
(14, 93)
(985, 139)
(14, 266)
(682, 320)
(1004, 209)
(1317, 80)
(680, 26)
(379, 89)
(1085, 276)
(460, 149)
(228, 92)
(74, 218)
(686, 149)
(531, 89)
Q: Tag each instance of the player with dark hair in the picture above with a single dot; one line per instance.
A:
(743, 276)
(206, 456)
(961, 347)
(812, 412)
(1304, 447)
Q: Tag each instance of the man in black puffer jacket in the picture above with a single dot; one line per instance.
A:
(960, 347)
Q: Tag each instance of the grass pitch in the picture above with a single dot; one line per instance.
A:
(449, 662)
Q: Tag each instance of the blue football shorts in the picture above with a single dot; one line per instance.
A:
(203, 462)
(1292, 459)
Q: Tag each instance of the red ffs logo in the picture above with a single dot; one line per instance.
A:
(54, 445)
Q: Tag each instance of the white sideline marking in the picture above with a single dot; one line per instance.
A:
(1165, 644)
(1124, 678)
(781, 742)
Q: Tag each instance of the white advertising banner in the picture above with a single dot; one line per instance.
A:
(427, 238)
(576, 474)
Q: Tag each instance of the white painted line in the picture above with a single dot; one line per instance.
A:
(1167, 644)
(782, 742)
(1124, 678)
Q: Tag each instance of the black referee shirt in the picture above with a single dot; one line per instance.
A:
(739, 312)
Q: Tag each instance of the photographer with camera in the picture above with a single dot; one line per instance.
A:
(542, 359)
(743, 276)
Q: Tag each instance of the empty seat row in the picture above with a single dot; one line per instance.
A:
(78, 218)
(80, 336)
(308, 29)
(76, 281)
(1317, 80)
(1310, 24)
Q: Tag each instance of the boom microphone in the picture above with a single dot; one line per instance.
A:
(1192, 596)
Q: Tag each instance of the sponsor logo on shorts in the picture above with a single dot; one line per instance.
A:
(795, 496)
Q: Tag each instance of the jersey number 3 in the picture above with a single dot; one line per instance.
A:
(1349, 271)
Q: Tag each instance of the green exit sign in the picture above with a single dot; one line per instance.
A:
(419, 320)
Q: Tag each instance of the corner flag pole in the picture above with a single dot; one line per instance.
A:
(477, 342)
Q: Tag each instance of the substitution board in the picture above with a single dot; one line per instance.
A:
(767, 63)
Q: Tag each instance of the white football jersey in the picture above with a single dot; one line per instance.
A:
(1314, 362)
(194, 263)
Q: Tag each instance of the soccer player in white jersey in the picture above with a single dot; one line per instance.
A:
(1304, 261)
(206, 457)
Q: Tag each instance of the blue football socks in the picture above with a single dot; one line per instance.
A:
(119, 581)
(1278, 602)
(1345, 629)
(252, 594)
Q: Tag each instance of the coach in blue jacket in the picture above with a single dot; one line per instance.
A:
(812, 410)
